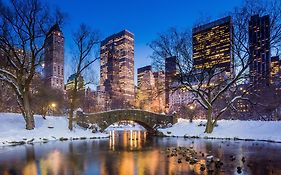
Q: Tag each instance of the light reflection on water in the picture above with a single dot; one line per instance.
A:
(128, 140)
(135, 152)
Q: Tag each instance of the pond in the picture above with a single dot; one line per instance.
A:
(135, 152)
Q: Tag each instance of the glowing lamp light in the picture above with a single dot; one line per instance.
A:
(53, 105)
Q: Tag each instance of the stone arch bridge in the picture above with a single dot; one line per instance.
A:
(149, 120)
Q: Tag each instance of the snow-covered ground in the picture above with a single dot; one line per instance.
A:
(233, 129)
(12, 129)
(122, 127)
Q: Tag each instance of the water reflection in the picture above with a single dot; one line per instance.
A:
(128, 140)
(135, 152)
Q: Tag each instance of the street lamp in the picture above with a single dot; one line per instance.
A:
(191, 107)
(53, 107)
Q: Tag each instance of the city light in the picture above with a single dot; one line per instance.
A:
(53, 105)
(191, 107)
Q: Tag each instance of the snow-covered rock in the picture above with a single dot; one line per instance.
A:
(12, 129)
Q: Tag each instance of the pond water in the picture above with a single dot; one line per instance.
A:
(135, 152)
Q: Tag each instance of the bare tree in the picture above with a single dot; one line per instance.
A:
(215, 87)
(46, 99)
(24, 25)
(85, 41)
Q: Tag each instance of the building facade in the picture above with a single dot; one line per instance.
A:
(145, 88)
(212, 50)
(170, 77)
(145, 77)
(54, 58)
(150, 92)
(275, 73)
(71, 83)
(117, 69)
(259, 46)
(212, 45)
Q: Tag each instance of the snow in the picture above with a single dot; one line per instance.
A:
(228, 129)
(122, 127)
(113, 110)
(12, 129)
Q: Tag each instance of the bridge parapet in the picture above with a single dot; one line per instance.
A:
(149, 120)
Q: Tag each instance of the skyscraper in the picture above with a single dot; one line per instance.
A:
(170, 75)
(259, 41)
(71, 83)
(212, 44)
(275, 78)
(145, 88)
(54, 58)
(145, 78)
(150, 94)
(117, 69)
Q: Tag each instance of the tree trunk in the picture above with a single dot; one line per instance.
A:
(71, 108)
(28, 116)
(210, 126)
(70, 115)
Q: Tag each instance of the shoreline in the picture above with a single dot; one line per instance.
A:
(61, 139)
(221, 138)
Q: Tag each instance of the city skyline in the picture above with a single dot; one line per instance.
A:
(140, 87)
(108, 24)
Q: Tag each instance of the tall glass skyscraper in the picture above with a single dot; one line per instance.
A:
(259, 41)
(117, 69)
(212, 45)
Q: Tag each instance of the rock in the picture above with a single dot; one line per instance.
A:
(203, 154)
(232, 158)
(210, 157)
(239, 170)
(29, 141)
(63, 139)
(179, 161)
(243, 159)
(202, 167)
(14, 143)
(193, 161)
(218, 164)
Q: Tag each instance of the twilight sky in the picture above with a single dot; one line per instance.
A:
(145, 18)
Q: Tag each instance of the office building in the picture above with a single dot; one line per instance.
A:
(259, 42)
(275, 73)
(54, 58)
(212, 45)
(170, 77)
(117, 69)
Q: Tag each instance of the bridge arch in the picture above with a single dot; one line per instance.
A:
(149, 120)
